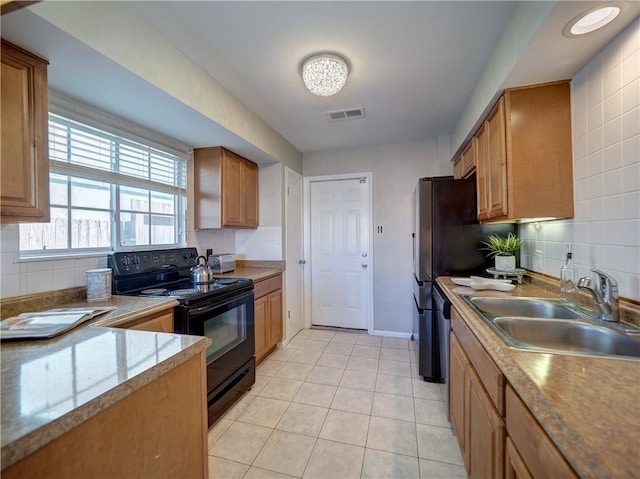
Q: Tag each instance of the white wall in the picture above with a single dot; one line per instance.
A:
(605, 231)
(265, 243)
(395, 169)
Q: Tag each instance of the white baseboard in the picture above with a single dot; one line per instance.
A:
(393, 334)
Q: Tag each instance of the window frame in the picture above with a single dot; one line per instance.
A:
(130, 134)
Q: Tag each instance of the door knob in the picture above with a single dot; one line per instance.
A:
(364, 255)
(364, 265)
(302, 261)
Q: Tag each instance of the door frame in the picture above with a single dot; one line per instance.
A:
(290, 175)
(307, 242)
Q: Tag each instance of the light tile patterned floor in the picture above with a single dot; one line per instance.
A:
(337, 405)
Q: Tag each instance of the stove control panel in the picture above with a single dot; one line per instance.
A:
(154, 261)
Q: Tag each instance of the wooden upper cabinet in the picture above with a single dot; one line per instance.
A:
(524, 163)
(225, 190)
(496, 156)
(482, 178)
(465, 165)
(250, 196)
(25, 159)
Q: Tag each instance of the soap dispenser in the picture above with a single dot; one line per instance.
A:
(568, 277)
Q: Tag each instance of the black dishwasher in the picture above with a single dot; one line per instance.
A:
(442, 312)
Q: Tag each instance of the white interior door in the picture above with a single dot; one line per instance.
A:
(340, 269)
(294, 274)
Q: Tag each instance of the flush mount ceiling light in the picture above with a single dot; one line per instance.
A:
(592, 19)
(325, 74)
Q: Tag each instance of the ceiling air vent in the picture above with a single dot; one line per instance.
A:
(351, 114)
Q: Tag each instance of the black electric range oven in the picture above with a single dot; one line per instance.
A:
(221, 310)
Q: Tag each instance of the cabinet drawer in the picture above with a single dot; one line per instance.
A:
(161, 322)
(492, 378)
(267, 286)
(540, 455)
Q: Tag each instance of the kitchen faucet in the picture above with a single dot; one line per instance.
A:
(605, 296)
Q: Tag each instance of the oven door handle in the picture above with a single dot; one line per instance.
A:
(205, 309)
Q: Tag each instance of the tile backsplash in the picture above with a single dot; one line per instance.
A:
(605, 232)
(19, 278)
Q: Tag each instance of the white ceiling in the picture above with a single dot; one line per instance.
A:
(413, 64)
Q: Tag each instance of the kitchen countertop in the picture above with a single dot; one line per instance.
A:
(51, 386)
(589, 406)
(252, 272)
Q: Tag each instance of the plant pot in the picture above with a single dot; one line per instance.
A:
(505, 263)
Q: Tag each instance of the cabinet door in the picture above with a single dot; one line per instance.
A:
(260, 318)
(515, 467)
(24, 159)
(486, 433)
(250, 194)
(497, 161)
(275, 313)
(232, 201)
(469, 158)
(457, 393)
(538, 452)
(458, 168)
(482, 174)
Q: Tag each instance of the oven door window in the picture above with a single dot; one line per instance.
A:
(226, 330)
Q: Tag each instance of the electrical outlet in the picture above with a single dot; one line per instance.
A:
(538, 259)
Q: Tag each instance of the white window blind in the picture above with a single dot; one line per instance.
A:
(79, 149)
(108, 190)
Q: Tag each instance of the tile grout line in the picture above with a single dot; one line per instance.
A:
(343, 369)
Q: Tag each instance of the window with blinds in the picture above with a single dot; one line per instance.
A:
(107, 193)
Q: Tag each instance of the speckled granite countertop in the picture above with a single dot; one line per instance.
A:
(589, 406)
(50, 386)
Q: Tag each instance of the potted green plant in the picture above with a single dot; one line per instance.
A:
(503, 250)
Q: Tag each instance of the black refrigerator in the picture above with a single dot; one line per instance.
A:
(446, 242)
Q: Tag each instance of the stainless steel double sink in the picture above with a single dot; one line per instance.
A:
(554, 325)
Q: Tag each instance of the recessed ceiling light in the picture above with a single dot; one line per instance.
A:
(592, 19)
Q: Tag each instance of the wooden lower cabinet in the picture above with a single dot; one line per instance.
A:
(515, 468)
(479, 428)
(458, 393)
(532, 451)
(485, 431)
(268, 315)
(497, 433)
(160, 322)
(138, 436)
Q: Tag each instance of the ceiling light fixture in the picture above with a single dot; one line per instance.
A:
(325, 74)
(592, 19)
